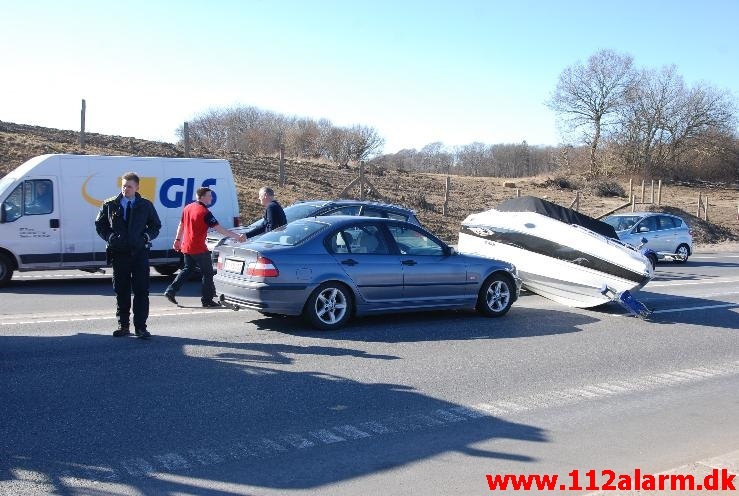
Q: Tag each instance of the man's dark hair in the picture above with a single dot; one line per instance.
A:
(131, 176)
(201, 192)
(268, 191)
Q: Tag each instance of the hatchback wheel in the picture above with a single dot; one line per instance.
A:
(329, 306)
(684, 251)
(496, 296)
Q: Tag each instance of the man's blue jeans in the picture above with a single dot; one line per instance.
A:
(205, 263)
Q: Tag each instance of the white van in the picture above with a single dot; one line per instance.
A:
(48, 207)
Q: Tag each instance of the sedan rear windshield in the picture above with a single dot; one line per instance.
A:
(292, 234)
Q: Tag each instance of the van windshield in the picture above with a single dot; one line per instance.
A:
(5, 184)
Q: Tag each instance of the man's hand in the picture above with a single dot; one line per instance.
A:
(241, 238)
(177, 244)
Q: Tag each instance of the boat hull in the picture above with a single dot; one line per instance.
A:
(565, 263)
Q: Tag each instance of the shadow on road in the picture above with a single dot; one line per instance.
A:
(439, 326)
(158, 414)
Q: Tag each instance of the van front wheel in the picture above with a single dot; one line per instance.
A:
(6, 270)
(166, 270)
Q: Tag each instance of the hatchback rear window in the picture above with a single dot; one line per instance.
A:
(292, 234)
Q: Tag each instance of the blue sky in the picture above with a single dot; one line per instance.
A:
(418, 71)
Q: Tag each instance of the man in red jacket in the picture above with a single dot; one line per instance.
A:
(190, 240)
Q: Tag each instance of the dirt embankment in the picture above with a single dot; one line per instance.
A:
(422, 192)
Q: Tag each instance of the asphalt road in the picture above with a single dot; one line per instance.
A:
(222, 402)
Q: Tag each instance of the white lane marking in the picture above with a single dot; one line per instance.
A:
(183, 462)
(195, 311)
(710, 257)
(702, 282)
(297, 441)
(61, 276)
(702, 307)
(326, 436)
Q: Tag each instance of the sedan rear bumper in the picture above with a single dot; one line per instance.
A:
(284, 299)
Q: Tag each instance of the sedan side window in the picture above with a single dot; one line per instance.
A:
(412, 242)
(348, 210)
(365, 239)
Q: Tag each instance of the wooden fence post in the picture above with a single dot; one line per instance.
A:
(186, 132)
(633, 203)
(642, 190)
(705, 208)
(698, 210)
(659, 192)
(361, 180)
(631, 187)
(82, 124)
(651, 200)
(575, 205)
(445, 210)
(282, 164)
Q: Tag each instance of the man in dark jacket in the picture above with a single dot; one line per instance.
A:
(274, 216)
(129, 222)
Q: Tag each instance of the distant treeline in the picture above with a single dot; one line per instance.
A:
(253, 131)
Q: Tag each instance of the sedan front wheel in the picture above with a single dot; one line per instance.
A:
(496, 296)
(329, 306)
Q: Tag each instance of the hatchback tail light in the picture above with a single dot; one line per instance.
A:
(263, 267)
(237, 221)
(219, 264)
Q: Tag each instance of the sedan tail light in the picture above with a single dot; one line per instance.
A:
(237, 221)
(263, 267)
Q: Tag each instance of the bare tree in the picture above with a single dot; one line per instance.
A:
(473, 158)
(664, 119)
(588, 97)
(362, 142)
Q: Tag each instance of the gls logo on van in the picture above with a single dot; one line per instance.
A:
(175, 192)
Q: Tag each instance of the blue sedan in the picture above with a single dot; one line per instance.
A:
(328, 269)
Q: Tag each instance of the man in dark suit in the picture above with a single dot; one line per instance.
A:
(274, 216)
(129, 222)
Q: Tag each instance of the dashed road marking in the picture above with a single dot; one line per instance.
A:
(393, 424)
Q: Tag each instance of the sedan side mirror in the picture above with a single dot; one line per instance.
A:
(644, 241)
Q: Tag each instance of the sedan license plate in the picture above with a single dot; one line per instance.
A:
(233, 265)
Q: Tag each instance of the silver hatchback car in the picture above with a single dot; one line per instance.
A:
(668, 235)
(328, 269)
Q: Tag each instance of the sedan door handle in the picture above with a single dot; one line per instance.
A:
(349, 261)
(408, 262)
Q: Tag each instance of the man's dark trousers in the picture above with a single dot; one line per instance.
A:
(205, 263)
(131, 272)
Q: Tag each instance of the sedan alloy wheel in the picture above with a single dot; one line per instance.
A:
(329, 306)
(495, 298)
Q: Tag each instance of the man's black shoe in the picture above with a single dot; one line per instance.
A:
(170, 297)
(210, 304)
(121, 331)
(143, 333)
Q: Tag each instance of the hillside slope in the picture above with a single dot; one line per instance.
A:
(422, 192)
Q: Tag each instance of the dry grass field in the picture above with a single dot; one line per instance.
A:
(422, 192)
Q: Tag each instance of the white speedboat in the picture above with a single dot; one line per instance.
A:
(560, 254)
